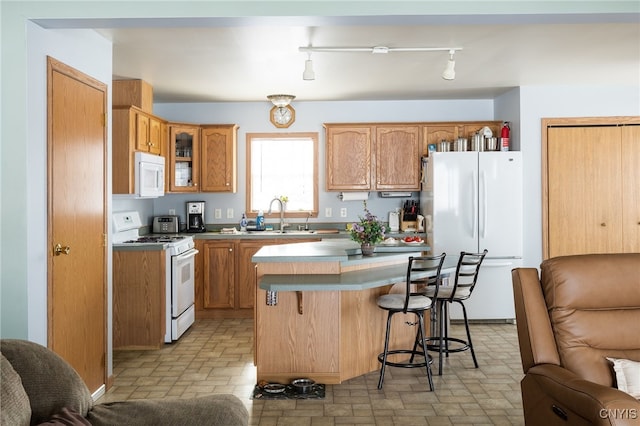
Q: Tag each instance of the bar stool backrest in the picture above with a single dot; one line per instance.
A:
(466, 275)
(422, 271)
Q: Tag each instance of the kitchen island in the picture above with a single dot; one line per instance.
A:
(316, 314)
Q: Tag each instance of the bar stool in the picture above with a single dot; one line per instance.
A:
(465, 281)
(421, 270)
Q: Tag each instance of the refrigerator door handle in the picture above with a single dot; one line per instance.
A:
(475, 204)
(483, 186)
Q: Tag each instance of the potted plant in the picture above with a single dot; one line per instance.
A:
(368, 232)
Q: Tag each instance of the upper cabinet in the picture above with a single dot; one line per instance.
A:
(218, 158)
(397, 157)
(183, 166)
(133, 130)
(348, 154)
(202, 158)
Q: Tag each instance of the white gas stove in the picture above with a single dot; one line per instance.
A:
(126, 229)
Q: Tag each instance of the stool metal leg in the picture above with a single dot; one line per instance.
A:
(386, 350)
(420, 316)
(469, 343)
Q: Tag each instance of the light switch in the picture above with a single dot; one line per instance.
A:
(229, 213)
(328, 212)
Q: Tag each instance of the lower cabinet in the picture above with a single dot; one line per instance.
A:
(138, 299)
(226, 277)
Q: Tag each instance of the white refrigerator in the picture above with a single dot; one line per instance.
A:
(473, 201)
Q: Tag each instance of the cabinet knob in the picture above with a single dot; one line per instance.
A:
(230, 249)
(603, 224)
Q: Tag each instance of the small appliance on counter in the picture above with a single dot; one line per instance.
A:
(166, 224)
(195, 216)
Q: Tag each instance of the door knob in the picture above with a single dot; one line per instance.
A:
(58, 250)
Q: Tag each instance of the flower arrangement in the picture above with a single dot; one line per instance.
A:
(369, 230)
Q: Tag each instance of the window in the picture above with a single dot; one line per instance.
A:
(282, 165)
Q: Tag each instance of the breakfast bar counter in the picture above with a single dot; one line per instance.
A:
(316, 314)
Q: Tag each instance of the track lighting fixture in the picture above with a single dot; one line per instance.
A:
(449, 72)
(308, 73)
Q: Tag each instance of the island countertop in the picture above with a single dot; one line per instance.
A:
(344, 251)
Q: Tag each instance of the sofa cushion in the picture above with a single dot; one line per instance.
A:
(594, 307)
(50, 382)
(15, 402)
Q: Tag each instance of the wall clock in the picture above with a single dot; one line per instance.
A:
(282, 116)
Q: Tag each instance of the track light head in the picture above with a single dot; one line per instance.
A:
(449, 72)
(308, 73)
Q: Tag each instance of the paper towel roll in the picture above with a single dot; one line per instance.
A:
(354, 196)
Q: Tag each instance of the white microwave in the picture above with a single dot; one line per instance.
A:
(149, 175)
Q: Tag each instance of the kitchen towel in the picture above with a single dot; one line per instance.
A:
(354, 196)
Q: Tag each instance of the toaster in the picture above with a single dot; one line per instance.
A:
(166, 225)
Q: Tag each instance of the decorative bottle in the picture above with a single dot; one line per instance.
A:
(260, 221)
(243, 222)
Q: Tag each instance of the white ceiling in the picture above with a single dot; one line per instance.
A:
(220, 60)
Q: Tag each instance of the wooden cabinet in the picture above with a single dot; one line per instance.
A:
(348, 154)
(591, 186)
(133, 130)
(219, 274)
(386, 156)
(397, 158)
(202, 158)
(139, 299)
(218, 158)
(372, 157)
(184, 158)
(225, 276)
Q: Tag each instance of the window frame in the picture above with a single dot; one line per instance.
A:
(252, 212)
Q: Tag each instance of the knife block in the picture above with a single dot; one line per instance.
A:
(407, 224)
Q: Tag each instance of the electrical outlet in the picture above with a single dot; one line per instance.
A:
(172, 212)
(343, 212)
(328, 212)
(229, 213)
(217, 213)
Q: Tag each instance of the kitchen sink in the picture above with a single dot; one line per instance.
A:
(286, 232)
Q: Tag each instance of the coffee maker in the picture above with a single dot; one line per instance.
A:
(195, 216)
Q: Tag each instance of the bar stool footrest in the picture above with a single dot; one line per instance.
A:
(406, 364)
(436, 345)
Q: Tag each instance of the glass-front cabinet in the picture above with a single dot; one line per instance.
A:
(184, 158)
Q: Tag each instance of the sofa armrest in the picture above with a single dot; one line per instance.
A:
(214, 410)
(600, 405)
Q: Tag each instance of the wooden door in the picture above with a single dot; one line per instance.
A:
(77, 136)
(631, 189)
(219, 275)
(584, 190)
(348, 154)
(218, 159)
(397, 158)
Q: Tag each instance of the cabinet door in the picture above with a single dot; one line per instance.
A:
(246, 284)
(631, 189)
(438, 133)
(142, 132)
(218, 159)
(155, 136)
(218, 275)
(584, 190)
(348, 157)
(397, 158)
(184, 164)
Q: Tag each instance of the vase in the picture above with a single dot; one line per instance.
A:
(367, 249)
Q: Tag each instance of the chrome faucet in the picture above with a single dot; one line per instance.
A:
(282, 224)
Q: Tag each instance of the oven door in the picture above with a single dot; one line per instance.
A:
(182, 282)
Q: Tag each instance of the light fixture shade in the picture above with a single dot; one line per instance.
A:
(281, 100)
(308, 73)
(449, 72)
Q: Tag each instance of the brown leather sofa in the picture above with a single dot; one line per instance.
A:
(582, 310)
